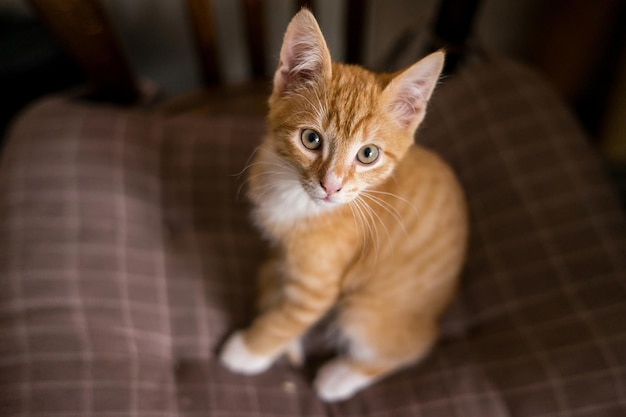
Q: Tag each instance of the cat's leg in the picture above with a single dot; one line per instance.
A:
(278, 330)
(275, 330)
(270, 287)
(309, 290)
(270, 292)
(376, 347)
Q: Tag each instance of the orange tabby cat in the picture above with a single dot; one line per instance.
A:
(359, 217)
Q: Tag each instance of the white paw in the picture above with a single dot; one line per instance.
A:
(337, 381)
(237, 358)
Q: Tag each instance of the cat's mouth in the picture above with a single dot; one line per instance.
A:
(324, 200)
(329, 201)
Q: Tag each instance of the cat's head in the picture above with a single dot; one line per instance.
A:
(340, 127)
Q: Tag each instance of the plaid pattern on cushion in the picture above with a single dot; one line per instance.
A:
(127, 256)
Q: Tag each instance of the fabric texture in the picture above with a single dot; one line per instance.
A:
(127, 257)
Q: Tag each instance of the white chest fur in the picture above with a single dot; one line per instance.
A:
(279, 197)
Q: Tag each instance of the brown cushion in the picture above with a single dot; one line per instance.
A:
(127, 256)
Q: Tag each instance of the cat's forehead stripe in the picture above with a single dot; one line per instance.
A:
(350, 109)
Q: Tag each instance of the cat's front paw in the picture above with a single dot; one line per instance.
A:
(236, 356)
(338, 381)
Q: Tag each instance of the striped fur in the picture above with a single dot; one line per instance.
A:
(385, 249)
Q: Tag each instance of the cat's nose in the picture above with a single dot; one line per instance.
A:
(331, 182)
(331, 186)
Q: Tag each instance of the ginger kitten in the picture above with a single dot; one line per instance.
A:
(359, 217)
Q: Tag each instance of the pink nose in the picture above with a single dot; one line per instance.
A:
(331, 186)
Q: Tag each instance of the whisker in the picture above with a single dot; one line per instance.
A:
(268, 188)
(279, 162)
(274, 164)
(260, 174)
(389, 208)
(404, 200)
(384, 204)
(380, 220)
(248, 164)
(370, 222)
(281, 167)
(359, 222)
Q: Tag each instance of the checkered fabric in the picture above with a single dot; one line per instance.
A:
(127, 256)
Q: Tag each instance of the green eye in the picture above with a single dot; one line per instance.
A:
(311, 139)
(368, 154)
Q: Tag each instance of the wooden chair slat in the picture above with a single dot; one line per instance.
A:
(85, 32)
(452, 29)
(83, 28)
(355, 31)
(205, 31)
(255, 36)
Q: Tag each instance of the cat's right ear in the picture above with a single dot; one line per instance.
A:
(408, 93)
(304, 56)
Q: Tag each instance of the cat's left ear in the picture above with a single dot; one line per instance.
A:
(406, 96)
(304, 56)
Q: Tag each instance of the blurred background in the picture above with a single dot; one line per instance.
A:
(578, 45)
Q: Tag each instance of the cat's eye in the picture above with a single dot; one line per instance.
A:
(311, 139)
(368, 154)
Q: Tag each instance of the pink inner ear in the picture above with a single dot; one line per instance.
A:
(410, 91)
(409, 103)
(300, 68)
(304, 56)
(301, 64)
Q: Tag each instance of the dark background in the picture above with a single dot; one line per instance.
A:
(578, 45)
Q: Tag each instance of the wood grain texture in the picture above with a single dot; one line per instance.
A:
(206, 40)
(84, 31)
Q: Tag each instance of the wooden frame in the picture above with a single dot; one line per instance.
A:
(84, 31)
